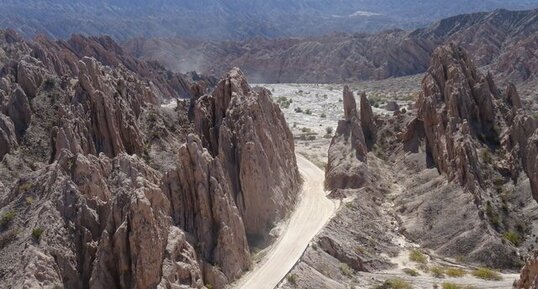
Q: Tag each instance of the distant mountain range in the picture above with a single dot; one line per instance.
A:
(230, 19)
(503, 41)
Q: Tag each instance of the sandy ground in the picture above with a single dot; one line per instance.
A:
(313, 211)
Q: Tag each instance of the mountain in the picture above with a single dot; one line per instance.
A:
(229, 19)
(109, 180)
(502, 40)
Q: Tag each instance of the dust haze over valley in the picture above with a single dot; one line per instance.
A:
(268, 144)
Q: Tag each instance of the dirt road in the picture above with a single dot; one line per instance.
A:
(312, 212)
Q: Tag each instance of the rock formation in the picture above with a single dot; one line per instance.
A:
(202, 205)
(346, 167)
(244, 129)
(104, 187)
(476, 136)
(368, 121)
(529, 274)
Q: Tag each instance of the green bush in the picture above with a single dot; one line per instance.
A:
(437, 272)
(448, 285)
(410, 272)
(513, 237)
(417, 256)
(6, 218)
(487, 274)
(345, 269)
(36, 233)
(395, 284)
(454, 272)
(292, 279)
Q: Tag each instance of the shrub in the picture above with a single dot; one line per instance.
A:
(329, 130)
(513, 237)
(7, 237)
(448, 285)
(323, 115)
(417, 256)
(298, 110)
(292, 279)
(395, 284)
(487, 274)
(6, 218)
(308, 111)
(410, 272)
(345, 270)
(36, 233)
(454, 272)
(437, 272)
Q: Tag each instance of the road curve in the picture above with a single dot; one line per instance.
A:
(312, 212)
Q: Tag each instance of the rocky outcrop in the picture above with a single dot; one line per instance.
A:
(368, 121)
(346, 167)
(111, 189)
(17, 107)
(248, 133)
(529, 274)
(202, 205)
(8, 138)
(456, 104)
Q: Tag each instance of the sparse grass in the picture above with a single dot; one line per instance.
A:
(209, 286)
(493, 216)
(345, 269)
(449, 285)
(7, 218)
(411, 272)
(437, 272)
(8, 237)
(513, 237)
(394, 284)
(29, 200)
(454, 272)
(424, 268)
(487, 274)
(418, 257)
(37, 233)
(486, 156)
(292, 279)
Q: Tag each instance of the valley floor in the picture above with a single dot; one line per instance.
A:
(313, 125)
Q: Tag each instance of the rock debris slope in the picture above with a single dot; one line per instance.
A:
(453, 176)
(105, 185)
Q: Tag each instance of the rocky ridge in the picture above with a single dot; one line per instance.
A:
(105, 185)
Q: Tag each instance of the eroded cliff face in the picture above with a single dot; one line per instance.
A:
(347, 164)
(105, 184)
(247, 132)
(476, 136)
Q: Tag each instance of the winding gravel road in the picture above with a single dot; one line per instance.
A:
(312, 212)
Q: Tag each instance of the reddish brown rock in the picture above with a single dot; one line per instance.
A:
(202, 205)
(367, 121)
(248, 133)
(346, 167)
(8, 138)
(529, 274)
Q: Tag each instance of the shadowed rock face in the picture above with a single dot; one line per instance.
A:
(248, 133)
(476, 136)
(346, 167)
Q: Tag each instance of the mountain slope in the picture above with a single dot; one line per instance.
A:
(498, 39)
(220, 19)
